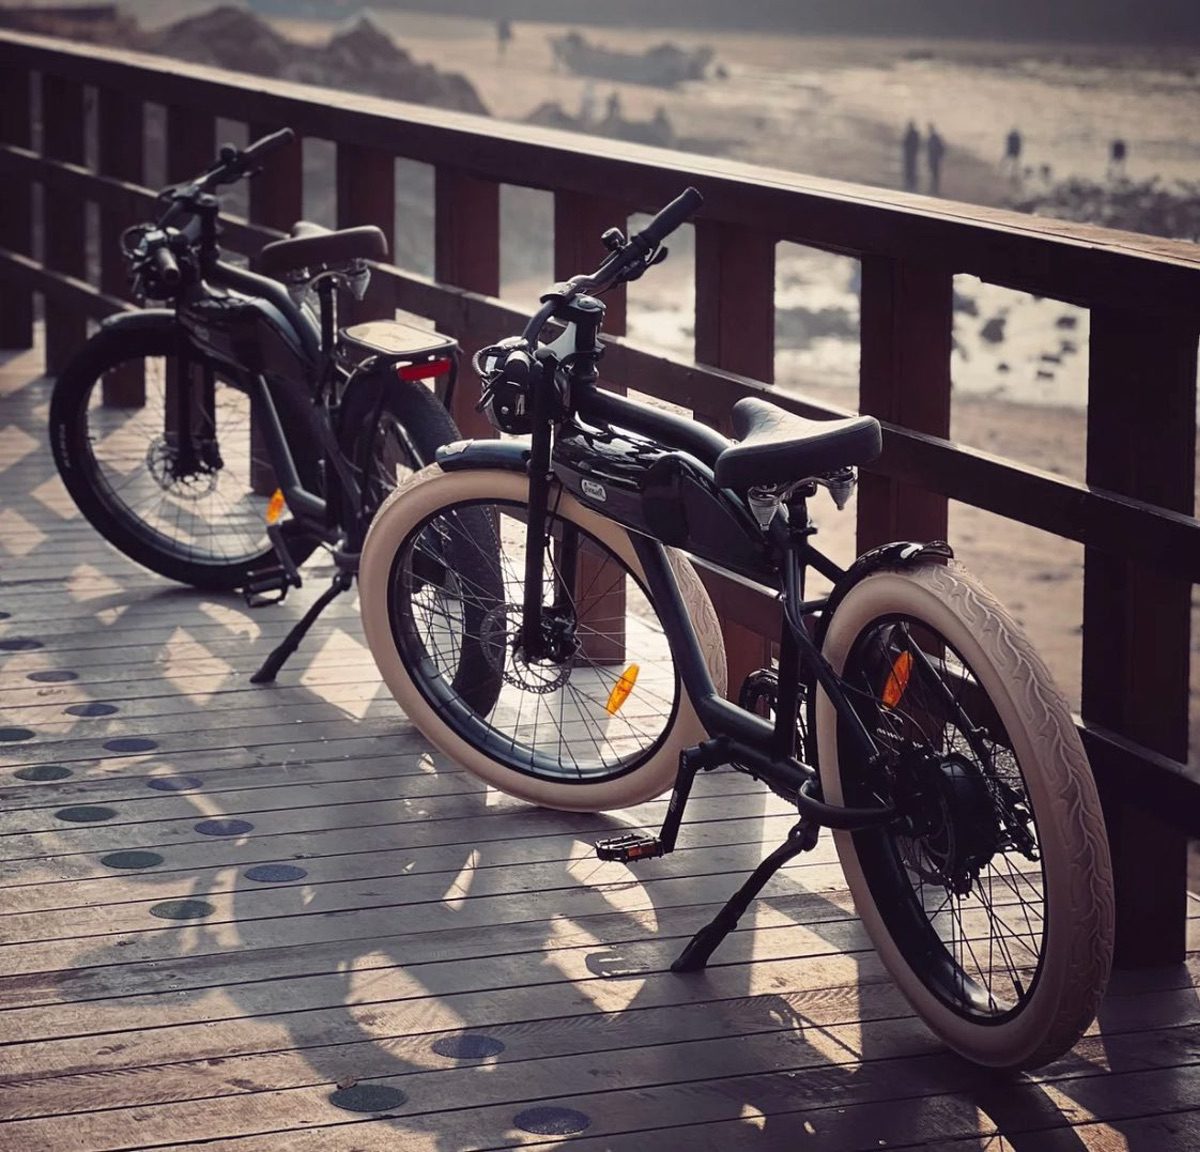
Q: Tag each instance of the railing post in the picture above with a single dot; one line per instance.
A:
(467, 254)
(191, 142)
(120, 120)
(735, 330)
(16, 220)
(277, 192)
(907, 329)
(276, 201)
(366, 194)
(579, 222)
(1141, 442)
(64, 231)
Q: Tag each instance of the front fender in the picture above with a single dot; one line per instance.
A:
(141, 320)
(507, 455)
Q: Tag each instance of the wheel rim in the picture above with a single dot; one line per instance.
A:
(550, 719)
(958, 881)
(198, 503)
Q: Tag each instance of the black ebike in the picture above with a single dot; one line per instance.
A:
(220, 440)
(907, 712)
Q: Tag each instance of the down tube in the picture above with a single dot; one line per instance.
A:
(718, 715)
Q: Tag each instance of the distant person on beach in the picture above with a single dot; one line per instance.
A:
(612, 111)
(504, 33)
(910, 149)
(1117, 154)
(1012, 155)
(935, 150)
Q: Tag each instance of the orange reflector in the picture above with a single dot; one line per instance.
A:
(424, 370)
(897, 679)
(621, 689)
(275, 506)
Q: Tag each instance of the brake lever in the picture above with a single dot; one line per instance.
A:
(638, 270)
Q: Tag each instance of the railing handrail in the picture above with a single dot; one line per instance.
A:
(1077, 263)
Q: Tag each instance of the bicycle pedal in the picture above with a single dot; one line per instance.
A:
(630, 847)
(269, 586)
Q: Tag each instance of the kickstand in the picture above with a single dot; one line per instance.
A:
(342, 580)
(802, 838)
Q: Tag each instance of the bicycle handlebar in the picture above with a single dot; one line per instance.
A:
(681, 209)
(627, 262)
(261, 149)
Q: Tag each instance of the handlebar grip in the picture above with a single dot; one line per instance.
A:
(166, 267)
(268, 144)
(682, 208)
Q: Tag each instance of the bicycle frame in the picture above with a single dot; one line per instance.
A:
(737, 735)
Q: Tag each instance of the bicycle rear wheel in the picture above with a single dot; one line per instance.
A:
(990, 898)
(191, 514)
(555, 733)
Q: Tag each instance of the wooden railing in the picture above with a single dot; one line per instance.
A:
(1133, 515)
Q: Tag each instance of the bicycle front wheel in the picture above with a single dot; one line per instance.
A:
(187, 511)
(597, 719)
(989, 899)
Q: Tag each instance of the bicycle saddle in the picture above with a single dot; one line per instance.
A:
(776, 447)
(312, 246)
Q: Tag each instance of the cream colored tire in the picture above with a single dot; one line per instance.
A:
(1076, 945)
(421, 497)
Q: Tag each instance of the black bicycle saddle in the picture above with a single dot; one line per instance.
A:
(777, 447)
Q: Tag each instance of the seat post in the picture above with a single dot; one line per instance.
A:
(326, 293)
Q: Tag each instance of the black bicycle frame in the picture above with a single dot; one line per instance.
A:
(739, 736)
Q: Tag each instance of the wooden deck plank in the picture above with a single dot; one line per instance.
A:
(906, 1092)
(835, 1025)
(718, 846)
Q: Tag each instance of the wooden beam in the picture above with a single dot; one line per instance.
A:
(907, 323)
(16, 220)
(191, 141)
(735, 330)
(121, 140)
(276, 201)
(366, 194)
(580, 219)
(65, 233)
(1107, 521)
(467, 254)
(1136, 619)
(277, 191)
(1067, 261)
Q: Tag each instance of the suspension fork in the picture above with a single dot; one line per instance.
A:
(189, 412)
(540, 477)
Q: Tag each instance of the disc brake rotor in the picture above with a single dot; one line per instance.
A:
(500, 638)
(161, 460)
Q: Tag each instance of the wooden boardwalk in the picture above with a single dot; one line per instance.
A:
(263, 919)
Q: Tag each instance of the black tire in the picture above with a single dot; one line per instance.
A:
(990, 900)
(547, 736)
(206, 529)
(391, 436)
